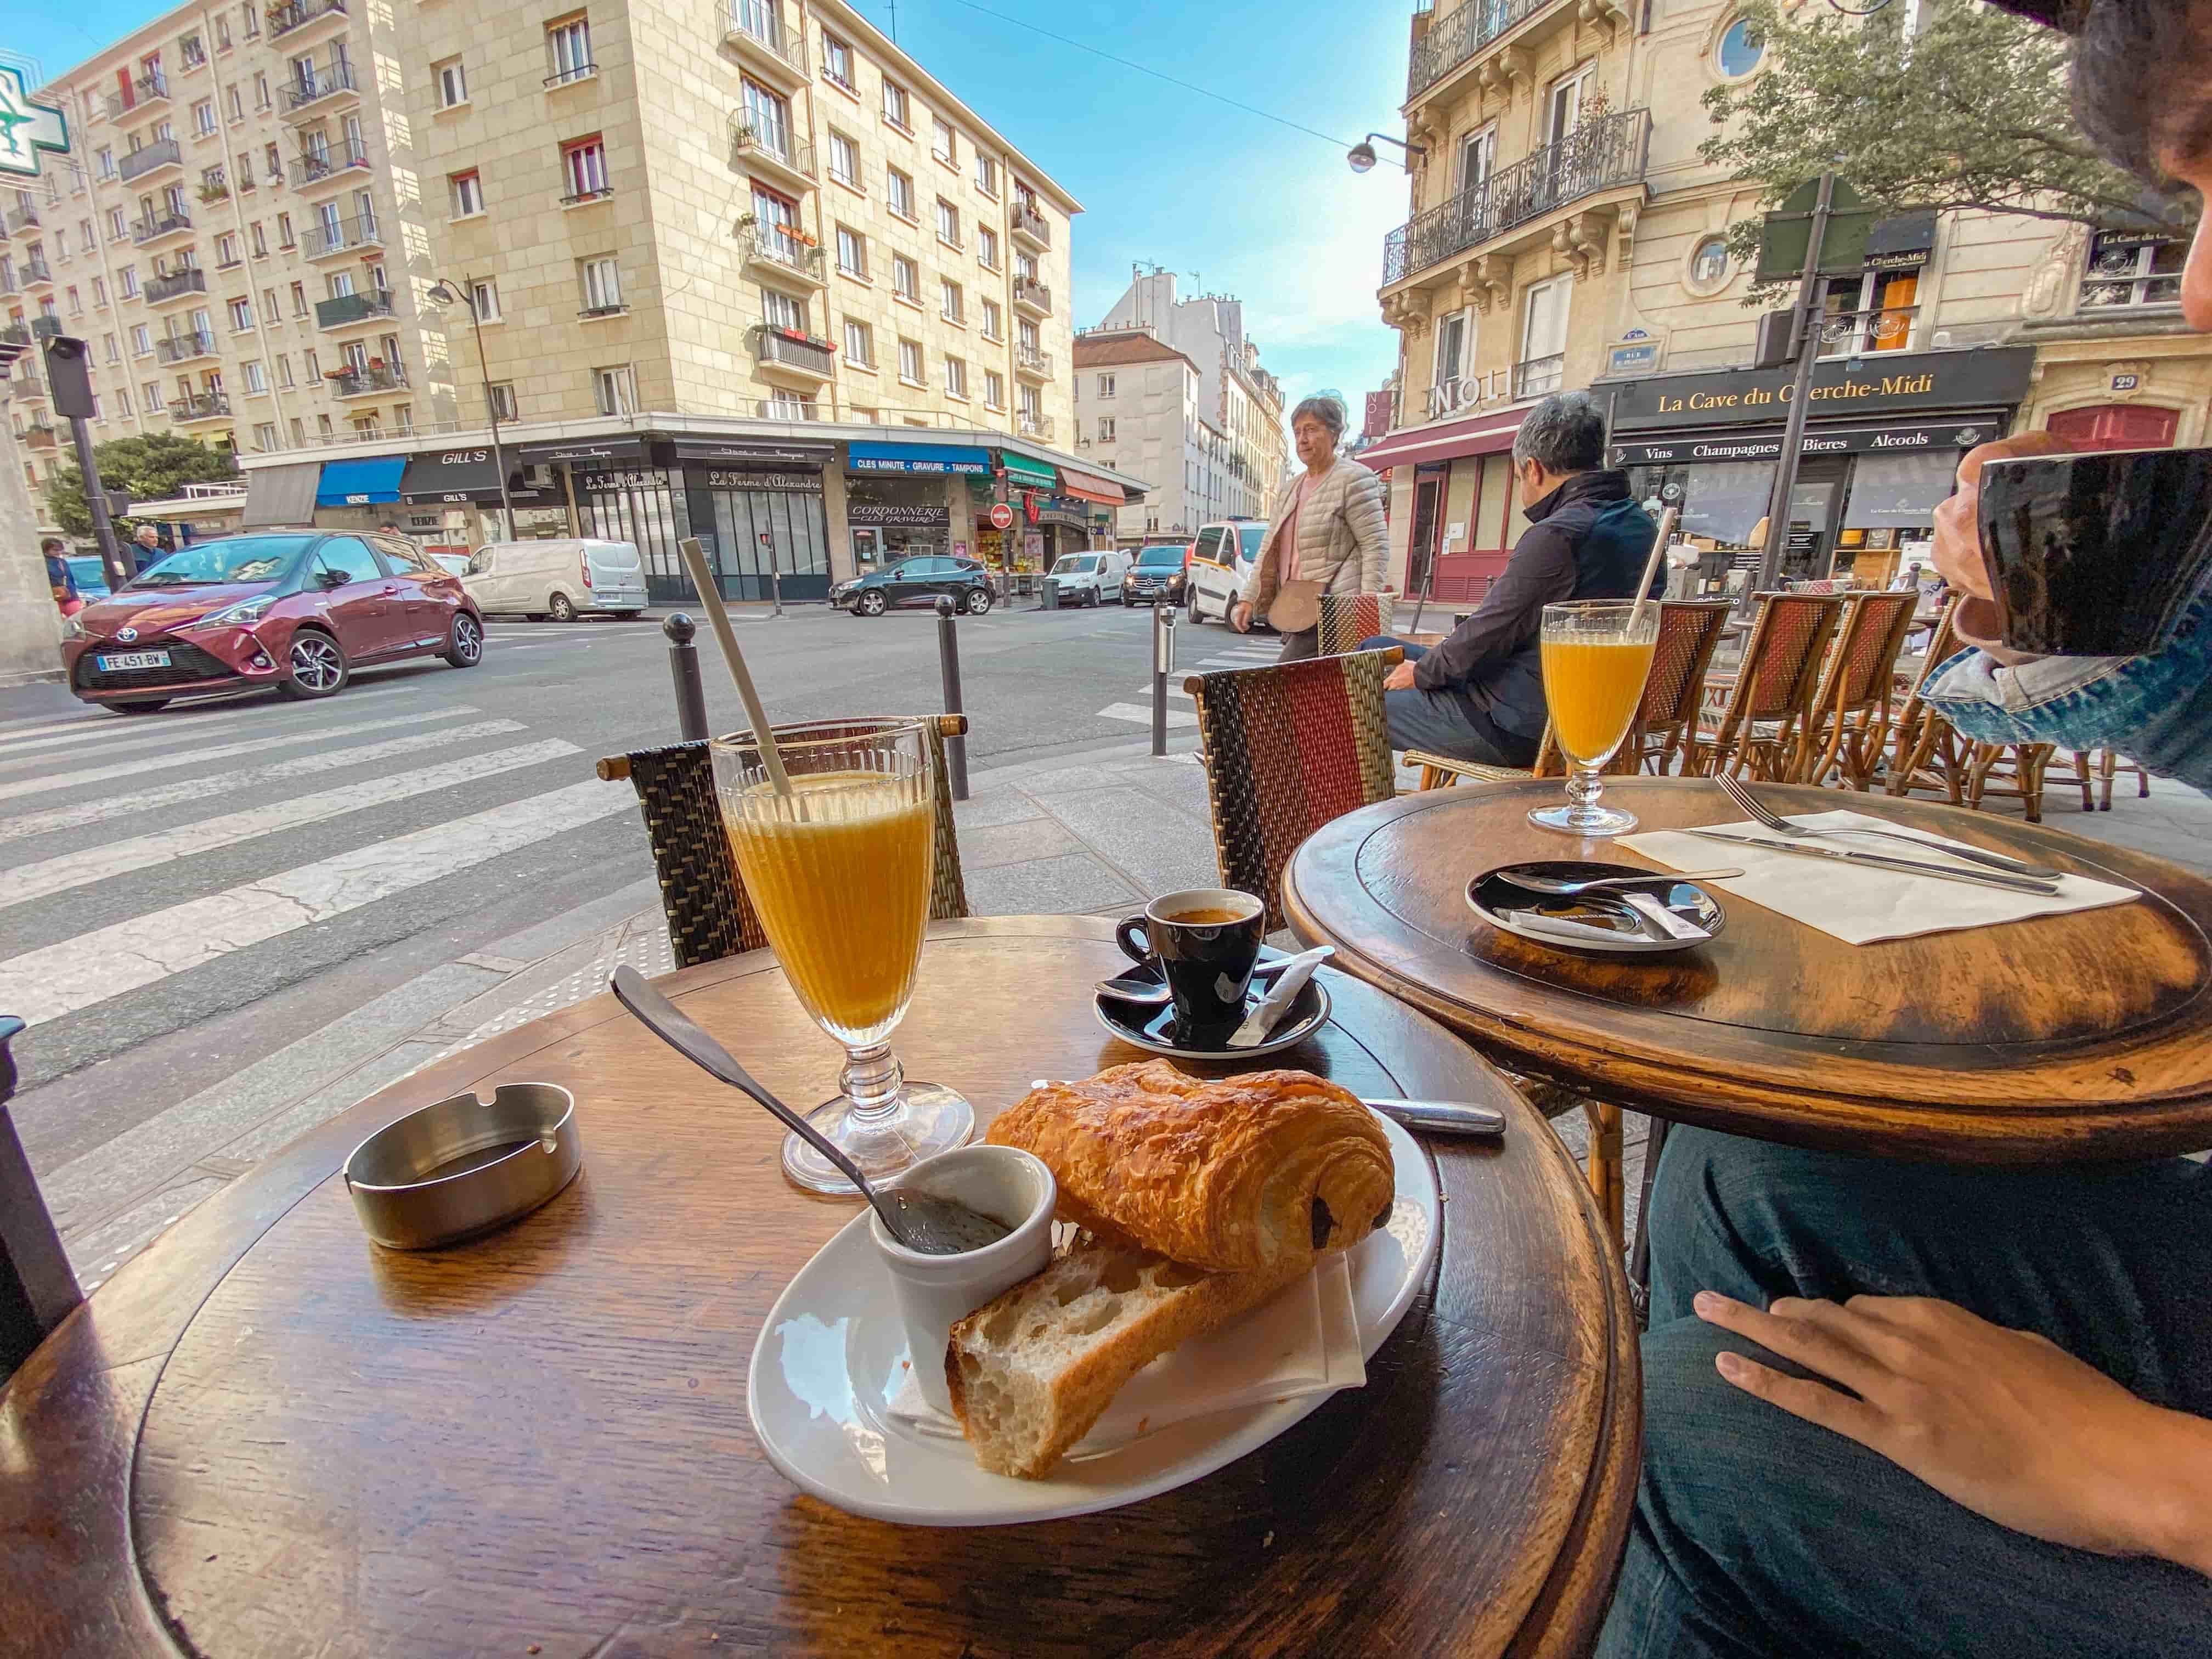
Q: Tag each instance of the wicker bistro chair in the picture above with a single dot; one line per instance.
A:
(1927, 754)
(1849, 723)
(1769, 697)
(1348, 618)
(710, 914)
(1288, 747)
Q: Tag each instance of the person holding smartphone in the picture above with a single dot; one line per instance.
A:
(1899, 1409)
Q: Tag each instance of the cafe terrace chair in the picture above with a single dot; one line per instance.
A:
(2108, 763)
(1926, 754)
(710, 914)
(1288, 747)
(1849, 724)
(1768, 697)
(37, 1287)
(1348, 618)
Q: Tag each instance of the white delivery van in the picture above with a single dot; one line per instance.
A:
(1088, 578)
(1220, 564)
(560, 577)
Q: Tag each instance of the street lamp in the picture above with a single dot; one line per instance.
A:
(1362, 155)
(444, 292)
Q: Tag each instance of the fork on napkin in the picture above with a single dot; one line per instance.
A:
(1860, 905)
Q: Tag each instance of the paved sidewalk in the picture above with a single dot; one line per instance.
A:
(1097, 834)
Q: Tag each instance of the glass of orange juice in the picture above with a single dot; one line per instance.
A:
(1597, 654)
(839, 871)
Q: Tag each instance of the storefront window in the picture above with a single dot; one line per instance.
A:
(899, 515)
(742, 509)
(635, 505)
(1894, 491)
(1720, 503)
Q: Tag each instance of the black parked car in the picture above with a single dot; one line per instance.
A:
(1156, 573)
(917, 580)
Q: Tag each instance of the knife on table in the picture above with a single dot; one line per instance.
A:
(1442, 1117)
(1884, 861)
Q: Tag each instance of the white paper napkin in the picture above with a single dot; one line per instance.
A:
(1304, 1340)
(1856, 902)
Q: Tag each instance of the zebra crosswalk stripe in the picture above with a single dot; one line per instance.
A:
(10, 790)
(1135, 715)
(91, 968)
(78, 814)
(140, 735)
(118, 858)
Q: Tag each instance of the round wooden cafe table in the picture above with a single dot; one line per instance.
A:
(2079, 1037)
(276, 1438)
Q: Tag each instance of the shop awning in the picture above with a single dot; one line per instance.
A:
(1088, 486)
(920, 458)
(360, 483)
(451, 475)
(586, 451)
(770, 452)
(1478, 435)
(1026, 474)
(282, 495)
(1902, 242)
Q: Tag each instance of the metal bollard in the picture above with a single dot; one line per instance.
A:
(684, 665)
(948, 656)
(1163, 617)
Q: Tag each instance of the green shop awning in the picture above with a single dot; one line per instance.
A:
(1026, 474)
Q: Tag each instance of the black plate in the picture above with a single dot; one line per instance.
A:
(1154, 1028)
(1490, 894)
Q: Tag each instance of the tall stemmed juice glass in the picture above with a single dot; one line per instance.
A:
(839, 871)
(1597, 654)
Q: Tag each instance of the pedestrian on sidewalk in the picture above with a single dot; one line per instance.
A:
(59, 577)
(1478, 696)
(1327, 536)
(145, 547)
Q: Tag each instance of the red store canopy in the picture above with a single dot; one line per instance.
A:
(1487, 434)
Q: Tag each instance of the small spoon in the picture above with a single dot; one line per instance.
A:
(1560, 887)
(1152, 994)
(925, 1224)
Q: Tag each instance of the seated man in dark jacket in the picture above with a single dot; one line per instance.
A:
(1480, 694)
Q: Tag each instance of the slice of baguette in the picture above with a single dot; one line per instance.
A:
(1030, 1372)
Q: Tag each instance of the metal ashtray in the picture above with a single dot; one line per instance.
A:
(464, 1166)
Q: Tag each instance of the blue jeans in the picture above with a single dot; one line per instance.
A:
(1442, 723)
(1759, 1533)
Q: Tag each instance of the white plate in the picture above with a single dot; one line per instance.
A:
(832, 1352)
(119, 659)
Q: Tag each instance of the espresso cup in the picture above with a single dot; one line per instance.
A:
(2094, 554)
(1204, 941)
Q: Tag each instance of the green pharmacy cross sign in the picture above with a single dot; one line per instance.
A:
(27, 128)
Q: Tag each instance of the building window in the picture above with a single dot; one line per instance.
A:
(1870, 313)
(403, 417)
(236, 99)
(1741, 48)
(910, 361)
(949, 301)
(284, 230)
(313, 365)
(226, 249)
(844, 160)
(1708, 264)
(483, 300)
(141, 340)
(994, 389)
(569, 50)
(262, 100)
(987, 175)
(265, 437)
(241, 316)
(452, 83)
(994, 321)
(1032, 403)
(2127, 270)
(584, 167)
(204, 118)
(256, 377)
(299, 299)
(898, 190)
(1106, 429)
(283, 371)
(895, 106)
(860, 345)
(837, 62)
(116, 232)
(602, 286)
(956, 377)
(150, 397)
(106, 159)
(948, 224)
(468, 194)
(128, 280)
(1451, 359)
(944, 142)
(615, 390)
(1543, 362)
(780, 310)
(110, 352)
(1105, 386)
(987, 248)
(1025, 336)
(1025, 267)
(299, 433)
(852, 253)
(906, 278)
(500, 395)
(251, 15)
(324, 430)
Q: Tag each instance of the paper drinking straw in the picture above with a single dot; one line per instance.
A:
(1658, 551)
(695, 561)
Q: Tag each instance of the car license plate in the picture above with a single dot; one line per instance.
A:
(109, 664)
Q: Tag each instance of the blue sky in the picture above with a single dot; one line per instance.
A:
(1255, 210)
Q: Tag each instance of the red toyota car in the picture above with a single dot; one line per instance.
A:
(297, 609)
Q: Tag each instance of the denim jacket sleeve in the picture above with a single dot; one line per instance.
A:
(2155, 709)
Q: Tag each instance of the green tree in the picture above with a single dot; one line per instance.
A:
(1971, 115)
(152, 468)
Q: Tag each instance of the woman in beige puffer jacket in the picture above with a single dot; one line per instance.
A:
(1332, 515)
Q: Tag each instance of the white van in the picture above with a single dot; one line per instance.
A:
(1088, 578)
(1220, 564)
(560, 577)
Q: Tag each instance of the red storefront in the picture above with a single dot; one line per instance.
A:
(1452, 530)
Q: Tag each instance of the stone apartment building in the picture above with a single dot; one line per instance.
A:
(703, 252)
(1141, 410)
(1565, 232)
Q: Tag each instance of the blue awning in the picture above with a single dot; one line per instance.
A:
(360, 483)
(920, 458)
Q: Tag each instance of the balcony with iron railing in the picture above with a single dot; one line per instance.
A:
(319, 84)
(1032, 295)
(26, 385)
(790, 349)
(1605, 153)
(775, 153)
(45, 326)
(367, 381)
(22, 216)
(1863, 333)
(779, 251)
(185, 348)
(1536, 376)
(322, 241)
(348, 309)
(148, 159)
(1029, 226)
(1030, 425)
(297, 18)
(758, 31)
(200, 406)
(39, 435)
(144, 233)
(14, 334)
(1036, 364)
(1462, 35)
(177, 285)
(36, 272)
(330, 165)
(146, 90)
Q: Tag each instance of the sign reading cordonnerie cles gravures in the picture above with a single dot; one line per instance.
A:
(899, 514)
(27, 128)
(1880, 384)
